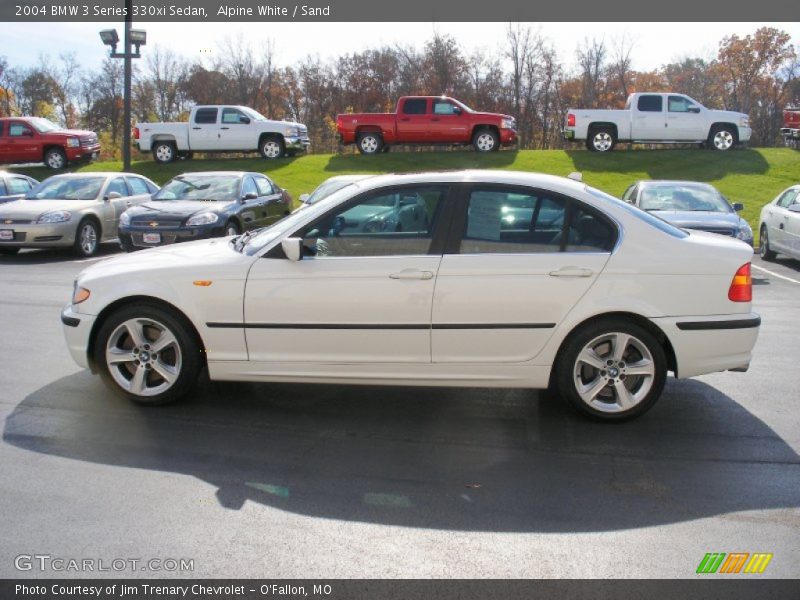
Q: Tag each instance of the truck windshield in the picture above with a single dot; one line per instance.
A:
(254, 116)
(200, 187)
(43, 125)
(67, 188)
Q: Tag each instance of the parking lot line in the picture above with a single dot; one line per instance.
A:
(775, 274)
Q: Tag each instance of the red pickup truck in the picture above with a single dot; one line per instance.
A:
(427, 120)
(33, 139)
(791, 126)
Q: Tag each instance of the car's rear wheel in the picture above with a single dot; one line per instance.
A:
(612, 370)
(763, 245)
(369, 143)
(231, 228)
(87, 238)
(601, 140)
(148, 354)
(55, 158)
(164, 152)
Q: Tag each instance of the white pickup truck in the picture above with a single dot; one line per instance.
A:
(221, 129)
(657, 119)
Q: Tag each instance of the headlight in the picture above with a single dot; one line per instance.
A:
(56, 216)
(73, 142)
(125, 219)
(744, 232)
(80, 294)
(206, 218)
(744, 121)
(509, 124)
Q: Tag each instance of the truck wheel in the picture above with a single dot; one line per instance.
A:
(722, 137)
(55, 158)
(485, 140)
(272, 147)
(369, 143)
(164, 152)
(601, 140)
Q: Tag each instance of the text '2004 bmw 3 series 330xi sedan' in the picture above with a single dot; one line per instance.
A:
(474, 278)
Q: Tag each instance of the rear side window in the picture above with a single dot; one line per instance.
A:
(205, 116)
(415, 106)
(18, 185)
(513, 221)
(787, 199)
(138, 186)
(650, 103)
(264, 186)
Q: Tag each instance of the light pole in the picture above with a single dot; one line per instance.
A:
(137, 37)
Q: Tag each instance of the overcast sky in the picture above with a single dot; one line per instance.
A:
(654, 43)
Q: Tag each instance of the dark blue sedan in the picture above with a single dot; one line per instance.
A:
(690, 205)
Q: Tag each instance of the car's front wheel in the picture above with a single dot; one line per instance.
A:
(612, 370)
(148, 354)
(55, 158)
(87, 238)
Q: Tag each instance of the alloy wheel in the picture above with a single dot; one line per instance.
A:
(723, 140)
(164, 153)
(485, 142)
(369, 144)
(272, 149)
(88, 239)
(143, 356)
(55, 160)
(602, 141)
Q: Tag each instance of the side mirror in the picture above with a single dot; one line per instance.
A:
(456, 110)
(693, 109)
(795, 208)
(113, 196)
(244, 120)
(293, 248)
(737, 206)
(304, 198)
(249, 196)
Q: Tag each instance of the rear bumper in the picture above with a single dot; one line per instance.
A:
(297, 144)
(77, 329)
(709, 344)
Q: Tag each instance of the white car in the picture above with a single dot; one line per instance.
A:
(779, 229)
(587, 294)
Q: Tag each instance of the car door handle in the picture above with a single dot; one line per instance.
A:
(412, 274)
(224, 127)
(197, 128)
(571, 272)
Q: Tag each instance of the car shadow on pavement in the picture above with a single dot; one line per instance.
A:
(456, 459)
(56, 255)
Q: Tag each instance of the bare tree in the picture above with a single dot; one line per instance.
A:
(591, 60)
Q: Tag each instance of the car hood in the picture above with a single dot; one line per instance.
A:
(20, 209)
(488, 115)
(727, 115)
(80, 133)
(177, 208)
(699, 219)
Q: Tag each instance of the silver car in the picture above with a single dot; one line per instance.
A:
(77, 210)
(779, 225)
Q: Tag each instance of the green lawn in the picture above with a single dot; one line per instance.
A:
(750, 176)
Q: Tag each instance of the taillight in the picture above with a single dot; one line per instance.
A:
(741, 289)
(570, 120)
(136, 133)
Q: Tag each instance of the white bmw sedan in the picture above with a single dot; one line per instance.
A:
(496, 279)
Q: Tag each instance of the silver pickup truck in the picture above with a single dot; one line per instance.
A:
(655, 118)
(222, 128)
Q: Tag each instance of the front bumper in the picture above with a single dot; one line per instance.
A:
(508, 137)
(745, 133)
(134, 236)
(297, 144)
(83, 153)
(711, 343)
(77, 328)
(40, 235)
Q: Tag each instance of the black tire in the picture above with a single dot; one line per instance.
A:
(164, 152)
(9, 251)
(722, 138)
(87, 238)
(370, 142)
(272, 147)
(606, 406)
(187, 347)
(763, 245)
(486, 140)
(55, 158)
(601, 139)
(231, 228)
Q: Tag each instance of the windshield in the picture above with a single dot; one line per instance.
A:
(43, 125)
(213, 188)
(254, 116)
(67, 188)
(648, 218)
(671, 196)
(325, 189)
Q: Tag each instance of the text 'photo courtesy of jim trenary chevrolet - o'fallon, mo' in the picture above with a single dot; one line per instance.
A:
(424, 301)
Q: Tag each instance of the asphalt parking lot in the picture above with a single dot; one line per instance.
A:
(288, 481)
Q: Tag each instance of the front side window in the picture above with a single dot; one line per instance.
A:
(650, 103)
(19, 130)
(444, 107)
(249, 187)
(233, 116)
(786, 200)
(205, 116)
(399, 222)
(118, 185)
(679, 104)
(510, 221)
(415, 106)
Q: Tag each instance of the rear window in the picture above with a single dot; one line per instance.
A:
(205, 116)
(648, 218)
(415, 106)
(650, 103)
